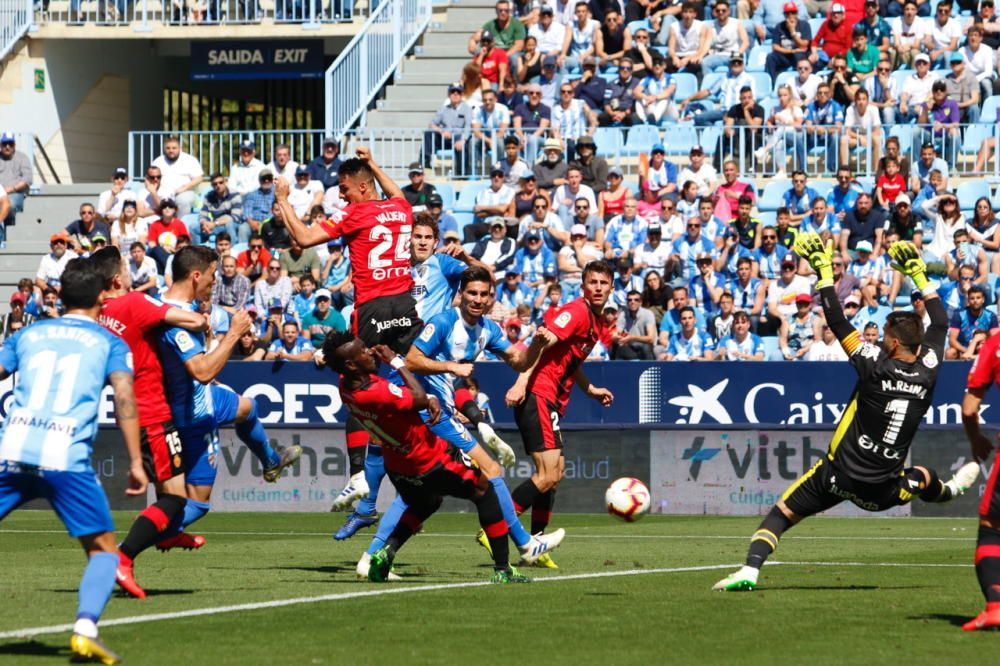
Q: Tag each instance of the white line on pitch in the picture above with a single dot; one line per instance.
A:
(572, 535)
(217, 610)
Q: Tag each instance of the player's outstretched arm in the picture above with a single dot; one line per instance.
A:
(419, 363)
(303, 235)
(601, 395)
(811, 247)
(127, 416)
(906, 260)
(419, 395)
(189, 320)
(980, 443)
(521, 359)
(388, 185)
(206, 367)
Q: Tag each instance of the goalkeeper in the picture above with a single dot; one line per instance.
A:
(865, 462)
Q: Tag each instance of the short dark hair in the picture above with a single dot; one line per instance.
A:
(290, 322)
(108, 263)
(223, 235)
(356, 168)
(599, 266)
(81, 284)
(688, 308)
(192, 258)
(425, 219)
(474, 274)
(907, 327)
(744, 200)
(331, 344)
(744, 260)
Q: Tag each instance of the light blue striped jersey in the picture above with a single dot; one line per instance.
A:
(190, 400)
(446, 337)
(435, 283)
(62, 366)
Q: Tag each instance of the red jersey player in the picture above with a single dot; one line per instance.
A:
(578, 325)
(137, 318)
(423, 467)
(377, 232)
(985, 372)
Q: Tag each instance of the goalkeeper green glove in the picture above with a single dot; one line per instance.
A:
(906, 259)
(819, 255)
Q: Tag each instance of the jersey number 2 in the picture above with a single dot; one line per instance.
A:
(383, 234)
(44, 371)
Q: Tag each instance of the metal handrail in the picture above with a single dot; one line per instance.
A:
(15, 21)
(365, 65)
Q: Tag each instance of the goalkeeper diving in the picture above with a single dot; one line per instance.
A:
(865, 463)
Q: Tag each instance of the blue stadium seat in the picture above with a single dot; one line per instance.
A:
(990, 105)
(769, 104)
(662, 50)
(681, 137)
(609, 75)
(772, 352)
(996, 200)
(974, 137)
(642, 24)
(467, 196)
(900, 76)
(640, 139)
(768, 218)
(710, 139)
(783, 78)
(761, 83)
(755, 61)
(771, 198)
(447, 192)
(190, 220)
(815, 23)
(687, 85)
(609, 141)
(867, 183)
(822, 187)
(347, 312)
(711, 78)
(463, 219)
(969, 191)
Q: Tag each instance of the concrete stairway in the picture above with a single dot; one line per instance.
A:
(421, 86)
(44, 214)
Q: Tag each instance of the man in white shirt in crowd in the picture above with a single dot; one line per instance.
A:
(181, 173)
(497, 249)
(282, 165)
(826, 348)
(305, 193)
(700, 172)
(566, 194)
(51, 267)
(689, 41)
(804, 84)
(109, 203)
(944, 33)
(549, 33)
(243, 175)
(908, 33)
(916, 92)
(725, 91)
(654, 254)
(727, 38)
(572, 258)
(980, 61)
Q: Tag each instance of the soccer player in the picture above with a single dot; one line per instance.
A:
(436, 277)
(421, 465)
(451, 341)
(985, 372)
(578, 326)
(137, 318)
(45, 448)
(377, 232)
(865, 462)
(198, 405)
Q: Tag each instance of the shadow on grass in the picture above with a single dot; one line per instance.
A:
(34, 649)
(953, 620)
(838, 588)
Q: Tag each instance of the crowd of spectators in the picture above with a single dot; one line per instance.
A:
(560, 70)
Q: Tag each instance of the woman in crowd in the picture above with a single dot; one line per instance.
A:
(611, 202)
(128, 229)
(786, 121)
(655, 295)
(529, 63)
(473, 85)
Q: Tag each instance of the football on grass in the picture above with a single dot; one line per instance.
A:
(628, 499)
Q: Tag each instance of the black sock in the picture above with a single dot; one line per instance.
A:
(410, 523)
(357, 445)
(541, 511)
(765, 540)
(492, 521)
(150, 525)
(525, 495)
(988, 563)
(467, 406)
(933, 490)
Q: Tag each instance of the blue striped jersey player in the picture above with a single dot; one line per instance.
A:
(445, 350)
(198, 404)
(46, 445)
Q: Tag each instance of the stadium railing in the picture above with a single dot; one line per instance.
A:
(396, 148)
(15, 21)
(142, 13)
(365, 65)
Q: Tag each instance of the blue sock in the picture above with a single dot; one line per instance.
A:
(193, 511)
(251, 432)
(518, 534)
(96, 586)
(374, 473)
(388, 523)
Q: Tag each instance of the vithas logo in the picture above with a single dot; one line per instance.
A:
(697, 455)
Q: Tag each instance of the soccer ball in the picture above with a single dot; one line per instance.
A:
(628, 499)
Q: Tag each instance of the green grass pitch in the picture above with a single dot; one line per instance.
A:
(849, 591)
